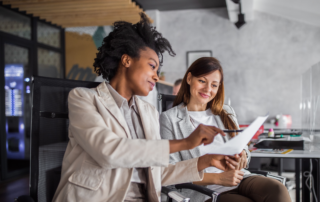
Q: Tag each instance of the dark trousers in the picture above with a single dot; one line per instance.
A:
(257, 189)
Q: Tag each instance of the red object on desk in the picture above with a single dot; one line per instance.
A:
(259, 132)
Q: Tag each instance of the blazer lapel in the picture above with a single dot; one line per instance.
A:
(186, 128)
(108, 101)
(148, 128)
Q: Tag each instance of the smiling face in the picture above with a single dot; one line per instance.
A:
(142, 72)
(203, 89)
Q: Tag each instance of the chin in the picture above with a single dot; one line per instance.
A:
(141, 93)
(203, 100)
(145, 93)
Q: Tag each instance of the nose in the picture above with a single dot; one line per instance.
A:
(207, 88)
(155, 77)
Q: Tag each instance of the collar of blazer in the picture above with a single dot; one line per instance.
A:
(108, 101)
(186, 127)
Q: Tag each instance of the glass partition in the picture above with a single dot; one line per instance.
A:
(17, 106)
(48, 35)
(49, 63)
(310, 103)
(14, 23)
(29, 47)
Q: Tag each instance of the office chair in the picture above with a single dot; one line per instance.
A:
(49, 137)
(165, 103)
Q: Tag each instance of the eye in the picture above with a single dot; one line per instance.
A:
(152, 66)
(201, 81)
(213, 85)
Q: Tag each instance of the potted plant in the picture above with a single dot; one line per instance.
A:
(162, 77)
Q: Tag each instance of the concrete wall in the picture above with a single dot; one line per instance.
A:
(263, 61)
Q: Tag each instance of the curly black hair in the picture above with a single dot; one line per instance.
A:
(128, 38)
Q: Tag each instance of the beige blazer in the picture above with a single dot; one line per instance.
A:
(98, 161)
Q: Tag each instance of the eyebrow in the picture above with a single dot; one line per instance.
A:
(154, 61)
(212, 81)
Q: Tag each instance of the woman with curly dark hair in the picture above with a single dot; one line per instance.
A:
(115, 152)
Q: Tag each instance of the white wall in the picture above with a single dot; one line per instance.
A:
(306, 11)
(263, 61)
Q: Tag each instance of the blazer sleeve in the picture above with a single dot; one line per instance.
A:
(167, 132)
(178, 171)
(88, 129)
(234, 117)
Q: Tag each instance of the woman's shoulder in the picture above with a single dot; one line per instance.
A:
(171, 114)
(82, 92)
(173, 111)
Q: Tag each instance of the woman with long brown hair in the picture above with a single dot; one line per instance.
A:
(201, 101)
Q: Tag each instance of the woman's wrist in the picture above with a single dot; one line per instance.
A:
(216, 178)
(203, 162)
(178, 145)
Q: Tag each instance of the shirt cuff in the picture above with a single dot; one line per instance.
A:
(165, 154)
(196, 175)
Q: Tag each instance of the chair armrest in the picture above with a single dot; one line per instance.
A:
(279, 178)
(24, 198)
(267, 174)
(260, 172)
(213, 194)
(174, 195)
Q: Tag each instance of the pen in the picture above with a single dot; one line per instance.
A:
(232, 131)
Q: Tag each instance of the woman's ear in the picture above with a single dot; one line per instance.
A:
(189, 77)
(126, 60)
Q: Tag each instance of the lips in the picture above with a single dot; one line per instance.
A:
(204, 95)
(151, 84)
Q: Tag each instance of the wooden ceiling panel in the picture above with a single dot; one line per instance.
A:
(70, 13)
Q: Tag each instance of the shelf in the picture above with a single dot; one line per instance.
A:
(165, 83)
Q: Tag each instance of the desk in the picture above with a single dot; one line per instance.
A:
(302, 157)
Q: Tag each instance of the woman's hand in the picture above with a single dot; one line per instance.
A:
(212, 160)
(237, 162)
(233, 162)
(230, 178)
(244, 159)
(201, 135)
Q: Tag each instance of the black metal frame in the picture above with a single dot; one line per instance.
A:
(197, 51)
(32, 45)
(164, 99)
(302, 165)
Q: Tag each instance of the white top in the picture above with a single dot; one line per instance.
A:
(207, 118)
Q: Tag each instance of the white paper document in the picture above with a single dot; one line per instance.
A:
(238, 143)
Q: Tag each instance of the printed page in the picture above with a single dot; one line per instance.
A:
(238, 143)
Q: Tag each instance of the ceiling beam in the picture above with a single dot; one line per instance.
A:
(97, 13)
(82, 10)
(91, 18)
(92, 23)
(76, 8)
(23, 2)
(75, 13)
(72, 5)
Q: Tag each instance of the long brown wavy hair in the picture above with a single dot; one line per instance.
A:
(201, 67)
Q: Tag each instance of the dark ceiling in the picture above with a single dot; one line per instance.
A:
(164, 5)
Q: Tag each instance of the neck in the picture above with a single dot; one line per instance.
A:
(192, 106)
(120, 84)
